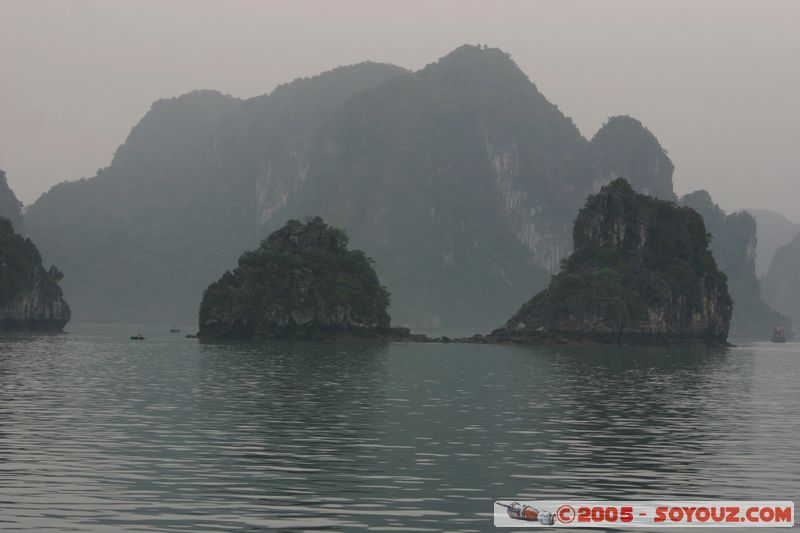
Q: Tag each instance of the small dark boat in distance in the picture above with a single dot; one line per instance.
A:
(137, 337)
(778, 334)
(174, 329)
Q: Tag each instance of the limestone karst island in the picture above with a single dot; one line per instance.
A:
(641, 272)
(30, 297)
(301, 283)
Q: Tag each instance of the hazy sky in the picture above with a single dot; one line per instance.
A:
(717, 81)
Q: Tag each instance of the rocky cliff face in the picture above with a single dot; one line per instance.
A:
(301, 283)
(463, 181)
(782, 282)
(773, 231)
(733, 243)
(10, 206)
(641, 272)
(446, 177)
(30, 298)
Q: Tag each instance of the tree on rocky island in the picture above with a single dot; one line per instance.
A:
(301, 283)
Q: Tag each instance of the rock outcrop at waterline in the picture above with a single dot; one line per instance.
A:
(301, 283)
(30, 298)
(641, 272)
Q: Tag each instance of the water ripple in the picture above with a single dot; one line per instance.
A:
(99, 433)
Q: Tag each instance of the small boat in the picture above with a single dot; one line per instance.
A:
(174, 329)
(778, 334)
(137, 337)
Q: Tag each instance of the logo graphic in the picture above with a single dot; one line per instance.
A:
(528, 513)
(644, 514)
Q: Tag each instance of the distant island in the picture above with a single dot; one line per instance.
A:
(782, 281)
(301, 283)
(733, 243)
(30, 298)
(641, 273)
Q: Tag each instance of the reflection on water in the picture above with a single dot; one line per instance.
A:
(98, 432)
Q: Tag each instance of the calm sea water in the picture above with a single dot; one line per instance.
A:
(101, 433)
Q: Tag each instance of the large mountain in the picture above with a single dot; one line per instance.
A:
(185, 195)
(774, 231)
(451, 179)
(782, 281)
(461, 180)
(734, 246)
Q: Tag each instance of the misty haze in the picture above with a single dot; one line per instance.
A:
(419, 266)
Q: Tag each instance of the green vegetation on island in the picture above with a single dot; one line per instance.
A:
(301, 283)
(641, 272)
(30, 298)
